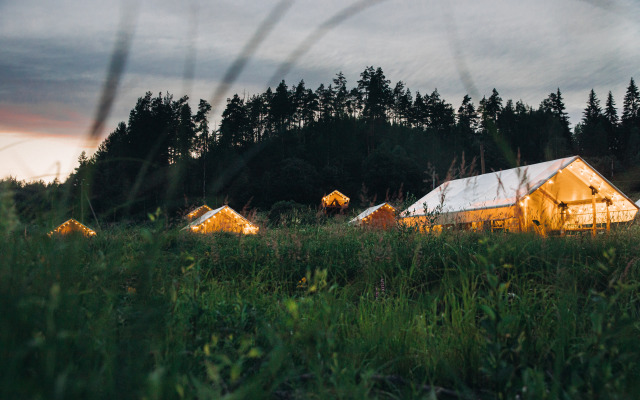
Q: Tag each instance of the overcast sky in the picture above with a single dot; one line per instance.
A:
(54, 57)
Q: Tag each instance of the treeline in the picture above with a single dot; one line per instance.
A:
(373, 141)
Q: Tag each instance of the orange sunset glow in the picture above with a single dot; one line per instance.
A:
(41, 143)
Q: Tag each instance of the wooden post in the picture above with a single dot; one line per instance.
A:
(593, 207)
(563, 216)
(525, 222)
(608, 216)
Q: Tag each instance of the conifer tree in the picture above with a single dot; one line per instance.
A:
(467, 117)
(234, 124)
(591, 134)
(612, 128)
(593, 112)
(341, 95)
(631, 105)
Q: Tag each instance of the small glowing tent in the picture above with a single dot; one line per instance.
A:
(198, 212)
(72, 226)
(560, 195)
(222, 219)
(380, 216)
(335, 202)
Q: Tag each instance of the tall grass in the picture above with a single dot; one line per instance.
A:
(154, 313)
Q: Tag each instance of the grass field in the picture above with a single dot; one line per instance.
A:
(154, 313)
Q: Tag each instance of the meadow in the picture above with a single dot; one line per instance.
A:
(319, 311)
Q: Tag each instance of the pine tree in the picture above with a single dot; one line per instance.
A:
(398, 95)
(341, 95)
(631, 105)
(467, 117)
(591, 134)
(376, 94)
(441, 116)
(234, 124)
(493, 106)
(202, 127)
(185, 136)
(592, 113)
(630, 130)
(610, 112)
(420, 115)
(281, 108)
(612, 128)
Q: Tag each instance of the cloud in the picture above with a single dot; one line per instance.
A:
(42, 119)
(59, 55)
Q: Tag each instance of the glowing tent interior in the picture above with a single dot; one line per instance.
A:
(72, 226)
(335, 200)
(198, 212)
(560, 195)
(222, 219)
(381, 216)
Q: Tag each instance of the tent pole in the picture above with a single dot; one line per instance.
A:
(593, 207)
(608, 217)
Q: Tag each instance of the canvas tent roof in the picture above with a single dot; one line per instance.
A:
(247, 226)
(370, 211)
(506, 188)
(199, 211)
(70, 226)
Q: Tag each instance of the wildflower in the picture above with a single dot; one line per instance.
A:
(302, 283)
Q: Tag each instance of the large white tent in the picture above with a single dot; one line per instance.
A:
(558, 195)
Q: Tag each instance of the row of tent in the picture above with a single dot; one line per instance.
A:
(562, 195)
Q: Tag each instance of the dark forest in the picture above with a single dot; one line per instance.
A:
(373, 141)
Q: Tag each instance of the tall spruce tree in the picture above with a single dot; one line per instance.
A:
(611, 126)
(591, 134)
(631, 124)
(234, 126)
(631, 105)
(341, 95)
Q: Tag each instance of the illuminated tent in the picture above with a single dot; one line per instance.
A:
(559, 195)
(380, 216)
(222, 219)
(198, 212)
(335, 201)
(72, 226)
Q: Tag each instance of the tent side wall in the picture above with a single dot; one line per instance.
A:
(221, 222)
(226, 221)
(382, 218)
(335, 199)
(500, 219)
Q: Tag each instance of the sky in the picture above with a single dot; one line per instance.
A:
(55, 57)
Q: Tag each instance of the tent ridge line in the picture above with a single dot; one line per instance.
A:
(562, 166)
